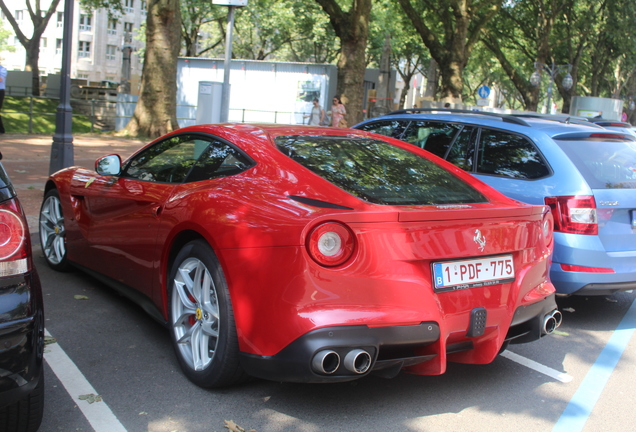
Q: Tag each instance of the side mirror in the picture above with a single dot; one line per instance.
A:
(108, 165)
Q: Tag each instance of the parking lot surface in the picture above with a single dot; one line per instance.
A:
(110, 367)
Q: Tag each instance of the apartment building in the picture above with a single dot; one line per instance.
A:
(104, 48)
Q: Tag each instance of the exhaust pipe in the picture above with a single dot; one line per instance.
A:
(357, 361)
(552, 321)
(325, 362)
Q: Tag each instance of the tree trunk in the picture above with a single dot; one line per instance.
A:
(352, 28)
(156, 110)
(32, 63)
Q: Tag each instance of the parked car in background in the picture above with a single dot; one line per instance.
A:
(306, 254)
(585, 173)
(21, 320)
(616, 125)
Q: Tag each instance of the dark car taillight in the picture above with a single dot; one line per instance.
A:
(574, 214)
(331, 244)
(13, 240)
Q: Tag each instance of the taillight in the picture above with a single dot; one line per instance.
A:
(574, 214)
(13, 241)
(577, 268)
(547, 227)
(331, 244)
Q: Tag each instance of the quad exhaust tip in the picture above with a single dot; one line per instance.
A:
(326, 362)
(552, 321)
(357, 361)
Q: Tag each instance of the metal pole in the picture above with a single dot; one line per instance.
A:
(552, 73)
(62, 147)
(225, 93)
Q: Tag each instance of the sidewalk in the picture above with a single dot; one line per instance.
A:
(26, 159)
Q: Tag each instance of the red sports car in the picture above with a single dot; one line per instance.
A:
(306, 254)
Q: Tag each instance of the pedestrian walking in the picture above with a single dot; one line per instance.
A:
(338, 113)
(3, 85)
(317, 115)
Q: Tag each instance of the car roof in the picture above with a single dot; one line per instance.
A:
(552, 125)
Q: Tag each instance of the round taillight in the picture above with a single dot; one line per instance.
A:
(548, 228)
(331, 244)
(12, 235)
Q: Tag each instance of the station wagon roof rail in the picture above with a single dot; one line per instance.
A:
(504, 117)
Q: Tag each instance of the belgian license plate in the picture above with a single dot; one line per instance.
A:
(472, 273)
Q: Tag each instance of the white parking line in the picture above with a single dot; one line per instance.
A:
(560, 376)
(97, 413)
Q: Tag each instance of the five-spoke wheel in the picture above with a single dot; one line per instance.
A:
(201, 318)
(52, 232)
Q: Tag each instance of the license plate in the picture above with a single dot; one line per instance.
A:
(472, 273)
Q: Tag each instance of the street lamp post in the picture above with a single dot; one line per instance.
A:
(62, 146)
(552, 70)
(225, 92)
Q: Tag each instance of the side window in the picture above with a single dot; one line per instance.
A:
(509, 155)
(219, 160)
(168, 161)
(462, 153)
(390, 128)
(435, 137)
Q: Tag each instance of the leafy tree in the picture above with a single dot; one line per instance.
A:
(195, 16)
(156, 110)
(352, 28)
(40, 19)
(4, 35)
(450, 29)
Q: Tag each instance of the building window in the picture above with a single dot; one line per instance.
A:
(110, 52)
(19, 15)
(144, 7)
(85, 22)
(58, 46)
(60, 19)
(82, 75)
(128, 32)
(129, 6)
(112, 26)
(43, 42)
(84, 49)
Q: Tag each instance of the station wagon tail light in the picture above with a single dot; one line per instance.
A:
(330, 244)
(13, 241)
(577, 268)
(574, 214)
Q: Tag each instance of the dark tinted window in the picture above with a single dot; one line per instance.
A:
(377, 171)
(604, 164)
(509, 155)
(462, 153)
(390, 128)
(172, 160)
(218, 160)
(435, 137)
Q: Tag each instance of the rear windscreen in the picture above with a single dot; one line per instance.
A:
(378, 172)
(604, 164)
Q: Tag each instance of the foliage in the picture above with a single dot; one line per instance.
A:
(4, 35)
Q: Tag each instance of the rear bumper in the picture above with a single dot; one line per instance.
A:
(390, 348)
(582, 283)
(21, 337)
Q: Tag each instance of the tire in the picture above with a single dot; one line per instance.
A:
(52, 232)
(202, 320)
(26, 414)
